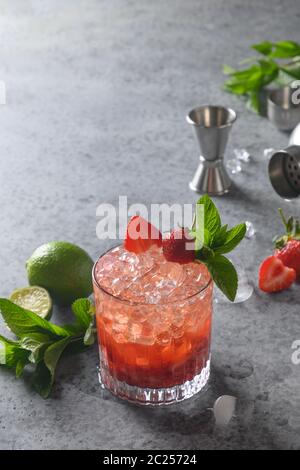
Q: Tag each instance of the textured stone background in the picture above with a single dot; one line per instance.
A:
(97, 93)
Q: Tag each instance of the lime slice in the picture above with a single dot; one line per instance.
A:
(34, 298)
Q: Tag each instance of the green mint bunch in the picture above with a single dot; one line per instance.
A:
(42, 343)
(277, 62)
(212, 241)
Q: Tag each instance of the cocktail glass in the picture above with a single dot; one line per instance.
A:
(154, 326)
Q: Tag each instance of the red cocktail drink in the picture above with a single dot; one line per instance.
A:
(154, 325)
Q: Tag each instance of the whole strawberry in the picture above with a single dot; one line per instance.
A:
(288, 246)
(178, 247)
(290, 255)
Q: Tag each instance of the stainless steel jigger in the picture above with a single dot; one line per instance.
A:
(284, 172)
(212, 125)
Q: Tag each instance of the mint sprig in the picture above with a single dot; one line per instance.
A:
(213, 240)
(277, 63)
(42, 343)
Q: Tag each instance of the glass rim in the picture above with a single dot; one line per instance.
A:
(132, 302)
(231, 112)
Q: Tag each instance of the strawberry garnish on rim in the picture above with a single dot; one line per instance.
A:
(179, 247)
(141, 235)
(274, 276)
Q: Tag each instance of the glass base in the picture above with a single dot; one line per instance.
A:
(154, 396)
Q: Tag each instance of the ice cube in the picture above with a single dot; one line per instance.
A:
(234, 166)
(120, 338)
(121, 318)
(163, 338)
(244, 291)
(250, 230)
(176, 331)
(105, 265)
(268, 152)
(130, 258)
(119, 328)
(242, 154)
(224, 408)
(118, 284)
(178, 319)
(134, 332)
(152, 296)
(147, 337)
(138, 315)
(169, 277)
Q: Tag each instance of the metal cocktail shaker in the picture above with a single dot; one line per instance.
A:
(284, 172)
(212, 125)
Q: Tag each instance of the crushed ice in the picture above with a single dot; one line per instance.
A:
(233, 166)
(242, 154)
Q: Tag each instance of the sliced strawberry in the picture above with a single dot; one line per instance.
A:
(178, 247)
(290, 255)
(274, 276)
(141, 235)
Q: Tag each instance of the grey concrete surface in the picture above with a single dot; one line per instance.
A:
(97, 93)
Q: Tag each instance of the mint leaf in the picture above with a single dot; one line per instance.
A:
(285, 49)
(244, 81)
(89, 337)
(212, 220)
(227, 70)
(11, 353)
(264, 47)
(30, 342)
(253, 101)
(36, 343)
(84, 311)
(224, 275)
(231, 239)
(292, 70)
(23, 322)
(20, 366)
(279, 50)
(220, 236)
(269, 71)
(42, 380)
(45, 371)
(53, 354)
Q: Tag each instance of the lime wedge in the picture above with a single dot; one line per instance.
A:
(34, 298)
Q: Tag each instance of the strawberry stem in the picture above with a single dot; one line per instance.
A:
(283, 218)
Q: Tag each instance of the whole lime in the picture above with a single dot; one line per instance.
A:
(62, 268)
